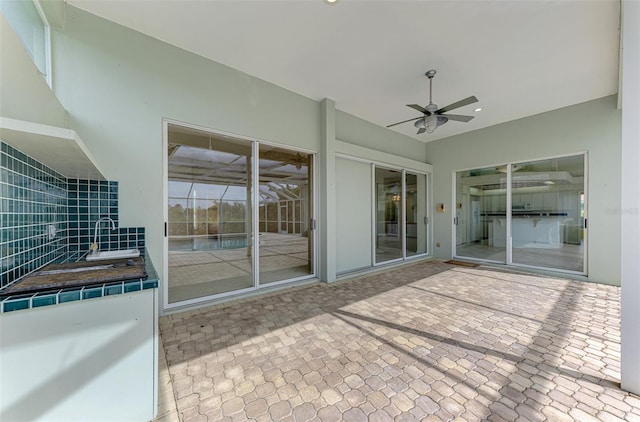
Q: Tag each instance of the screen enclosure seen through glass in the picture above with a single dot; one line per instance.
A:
(210, 230)
(216, 194)
(285, 192)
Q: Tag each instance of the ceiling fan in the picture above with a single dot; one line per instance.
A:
(432, 115)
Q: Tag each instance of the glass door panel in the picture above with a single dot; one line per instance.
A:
(388, 187)
(547, 206)
(481, 214)
(416, 214)
(286, 238)
(210, 224)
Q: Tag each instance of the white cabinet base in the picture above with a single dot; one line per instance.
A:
(81, 361)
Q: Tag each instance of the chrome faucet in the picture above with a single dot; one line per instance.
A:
(94, 245)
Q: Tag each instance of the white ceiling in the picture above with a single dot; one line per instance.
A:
(519, 57)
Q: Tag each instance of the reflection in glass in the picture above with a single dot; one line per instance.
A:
(416, 213)
(547, 206)
(286, 240)
(209, 216)
(481, 214)
(388, 214)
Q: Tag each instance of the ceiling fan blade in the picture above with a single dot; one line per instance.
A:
(417, 107)
(458, 117)
(410, 120)
(458, 104)
(421, 130)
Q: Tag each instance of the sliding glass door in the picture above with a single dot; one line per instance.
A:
(416, 214)
(547, 213)
(401, 219)
(239, 215)
(481, 214)
(210, 231)
(286, 247)
(544, 226)
(389, 240)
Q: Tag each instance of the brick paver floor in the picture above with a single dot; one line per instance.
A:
(429, 341)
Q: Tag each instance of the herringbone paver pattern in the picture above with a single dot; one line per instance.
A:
(428, 341)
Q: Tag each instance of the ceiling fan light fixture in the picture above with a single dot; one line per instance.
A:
(420, 124)
(433, 121)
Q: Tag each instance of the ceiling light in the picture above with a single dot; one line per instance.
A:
(433, 121)
(549, 182)
(478, 109)
(330, 1)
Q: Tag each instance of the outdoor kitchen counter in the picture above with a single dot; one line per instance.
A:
(78, 274)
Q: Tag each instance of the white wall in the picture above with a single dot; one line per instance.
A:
(359, 132)
(87, 360)
(593, 126)
(24, 93)
(353, 223)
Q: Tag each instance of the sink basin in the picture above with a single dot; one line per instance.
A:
(124, 253)
(74, 270)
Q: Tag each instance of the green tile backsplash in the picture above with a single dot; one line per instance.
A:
(33, 197)
(90, 200)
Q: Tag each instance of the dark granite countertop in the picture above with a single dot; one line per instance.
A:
(78, 274)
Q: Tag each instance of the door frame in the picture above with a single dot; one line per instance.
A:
(255, 209)
(508, 244)
(402, 230)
